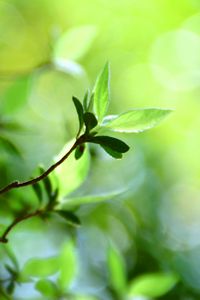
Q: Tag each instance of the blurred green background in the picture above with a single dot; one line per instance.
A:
(51, 50)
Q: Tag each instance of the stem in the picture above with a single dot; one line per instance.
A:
(17, 184)
(3, 238)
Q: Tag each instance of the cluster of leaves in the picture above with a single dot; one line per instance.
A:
(53, 277)
(95, 127)
(92, 115)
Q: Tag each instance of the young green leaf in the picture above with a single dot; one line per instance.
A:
(152, 285)
(86, 100)
(79, 151)
(110, 142)
(47, 288)
(41, 267)
(136, 120)
(101, 94)
(73, 202)
(117, 270)
(79, 110)
(67, 266)
(69, 217)
(9, 146)
(47, 183)
(90, 121)
(38, 191)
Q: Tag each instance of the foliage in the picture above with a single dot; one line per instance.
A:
(89, 225)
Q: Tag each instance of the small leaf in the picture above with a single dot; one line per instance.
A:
(90, 121)
(41, 267)
(90, 199)
(152, 285)
(38, 190)
(47, 288)
(79, 109)
(110, 142)
(117, 270)
(86, 100)
(69, 217)
(10, 287)
(101, 93)
(53, 198)
(67, 266)
(9, 146)
(47, 183)
(112, 153)
(79, 151)
(136, 120)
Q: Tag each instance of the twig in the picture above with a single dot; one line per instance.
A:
(3, 238)
(17, 184)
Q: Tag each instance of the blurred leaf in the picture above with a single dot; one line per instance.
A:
(117, 270)
(67, 266)
(47, 288)
(74, 44)
(79, 151)
(47, 183)
(86, 101)
(71, 173)
(69, 217)
(38, 191)
(79, 110)
(114, 144)
(101, 94)
(40, 267)
(90, 121)
(136, 120)
(152, 285)
(10, 287)
(76, 201)
(9, 146)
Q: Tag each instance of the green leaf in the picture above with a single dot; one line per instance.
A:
(90, 199)
(74, 43)
(110, 142)
(79, 110)
(152, 285)
(90, 121)
(86, 100)
(112, 153)
(67, 266)
(41, 267)
(47, 183)
(79, 151)
(47, 288)
(69, 217)
(136, 120)
(117, 270)
(10, 287)
(71, 173)
(38, 191)
(101, 94)
(9, 146)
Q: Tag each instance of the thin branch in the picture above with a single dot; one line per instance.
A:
(17, 184)
(3, 238)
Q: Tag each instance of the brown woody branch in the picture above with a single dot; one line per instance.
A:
(17, 184)
(3, 238)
